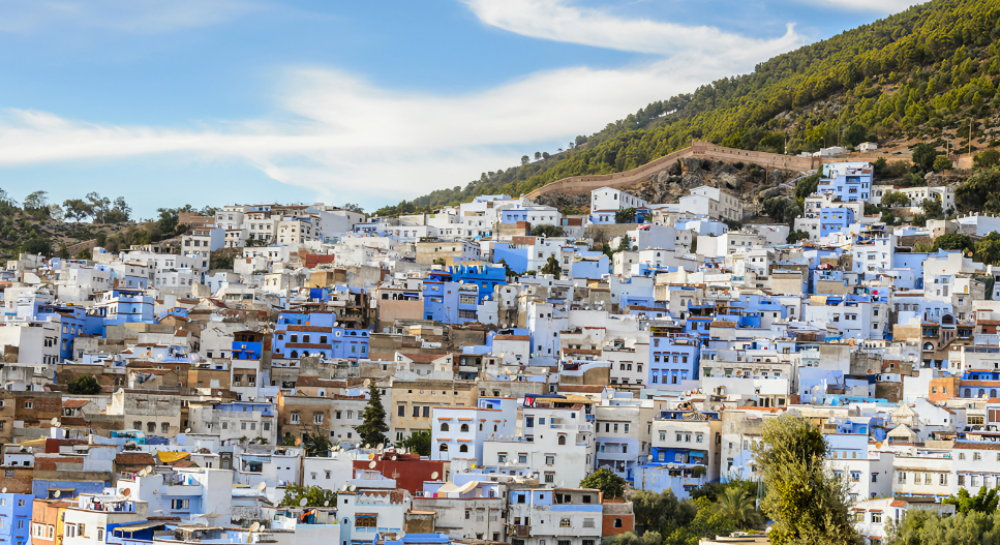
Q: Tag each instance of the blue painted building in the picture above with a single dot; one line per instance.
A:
(515, 257)
(672, 359)
(449, 302)
(45, 489)
(15, 513)
(834, 220)
(301, 334)
(248, 345)
(851, 182)
(124, 306)
(485, 278)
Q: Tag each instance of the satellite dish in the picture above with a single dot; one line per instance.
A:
(298, 441)
(380, 446)
(261, 486)
(351, 488)
(188, 430)
(255, 526)
(434, 475)
(878, 444)
(368, 382)
(303, 502)
(401, 535)
(343, 488)
(57, 493)
(55, 421)
(326, 503)
(4, 490)
(559, 484)
(371, 456)
(149, 469)
(368, 445)
(142, 473)
(372, 464)
(650, 457)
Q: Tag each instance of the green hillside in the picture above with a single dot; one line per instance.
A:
(917, 75)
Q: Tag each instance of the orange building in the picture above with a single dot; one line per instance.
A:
(46, 521)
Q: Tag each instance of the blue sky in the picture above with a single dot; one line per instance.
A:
(224, 102)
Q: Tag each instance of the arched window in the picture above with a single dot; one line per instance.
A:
(993, 394)
(465, 427)
(463, 448)
(305, 354)
(295, 353)
(968, 393)
(562, 439)
(982, 392)
(444, 426)
(443, 447)
(618, 523)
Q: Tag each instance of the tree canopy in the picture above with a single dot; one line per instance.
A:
(609, 483)
(807, 504)
(84, 385)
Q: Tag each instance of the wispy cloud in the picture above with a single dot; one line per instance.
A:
(560, 21)
(350, 140)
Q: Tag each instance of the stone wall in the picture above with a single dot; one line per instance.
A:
(698, 150)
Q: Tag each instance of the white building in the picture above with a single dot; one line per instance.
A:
(459, 432)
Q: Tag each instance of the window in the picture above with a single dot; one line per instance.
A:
(464, 428)
(100, 534)
(877, 517)
(179, 504)
(294, 418)
(401, 410)
(502, 458)
(564, 523)
(444, 426)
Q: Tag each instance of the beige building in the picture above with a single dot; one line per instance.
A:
(154, 412)
(412, 403)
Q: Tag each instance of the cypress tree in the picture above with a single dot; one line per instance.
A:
(372, 430)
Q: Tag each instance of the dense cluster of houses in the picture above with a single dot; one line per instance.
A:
(531, 360)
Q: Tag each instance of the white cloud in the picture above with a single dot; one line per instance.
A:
(557, 20)
(129, 16)
(351, 141)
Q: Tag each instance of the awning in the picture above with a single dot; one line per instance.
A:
(171, 457)
(140, 526)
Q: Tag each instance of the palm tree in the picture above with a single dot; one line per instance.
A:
(737, 506)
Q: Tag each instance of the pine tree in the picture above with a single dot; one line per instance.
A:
(372, 431)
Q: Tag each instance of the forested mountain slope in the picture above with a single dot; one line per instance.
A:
(919, 75)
